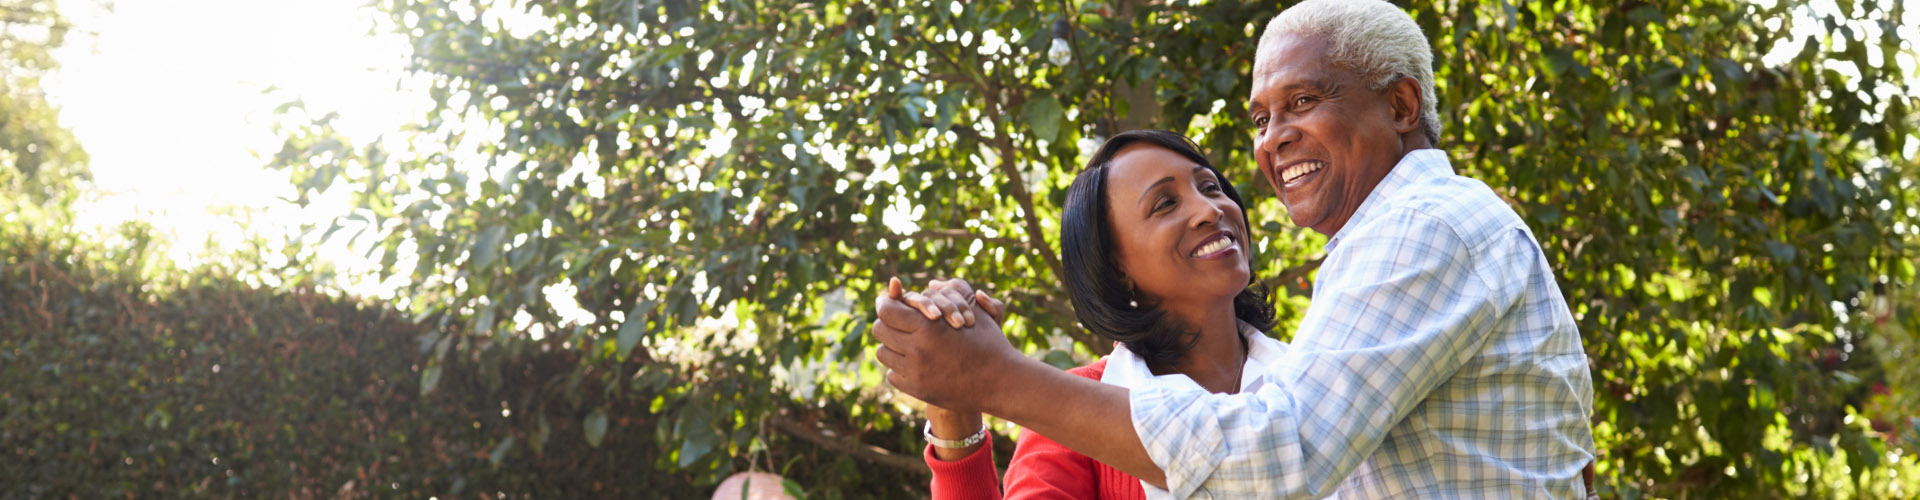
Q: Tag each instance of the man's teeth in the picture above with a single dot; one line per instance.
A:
(1294, 172)
(1217, 245)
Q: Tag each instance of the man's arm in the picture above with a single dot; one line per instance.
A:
(1400, 312)
(1080, 413)
(1408, 312)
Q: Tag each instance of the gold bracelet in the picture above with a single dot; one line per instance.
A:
(955, 444)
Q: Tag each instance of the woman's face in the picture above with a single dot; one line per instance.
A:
(1180, 238)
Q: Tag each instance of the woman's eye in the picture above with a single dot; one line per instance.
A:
(1210, 188)
(1164, 204)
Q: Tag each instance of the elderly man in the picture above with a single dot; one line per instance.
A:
(1438, 358)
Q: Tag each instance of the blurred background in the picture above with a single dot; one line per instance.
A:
(628, 248)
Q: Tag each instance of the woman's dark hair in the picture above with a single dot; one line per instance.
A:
(1094, 280)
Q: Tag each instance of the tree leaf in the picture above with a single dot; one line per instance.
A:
(595, 427)
(633, 328)
(541, 434)
(486, 247)
(429, 378)
(1044, 115)
(500, 451)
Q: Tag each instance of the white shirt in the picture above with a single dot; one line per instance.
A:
(1124, 369)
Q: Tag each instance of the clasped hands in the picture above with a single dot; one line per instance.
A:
(943, 345)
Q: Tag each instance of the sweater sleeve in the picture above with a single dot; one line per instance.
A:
(1043, 469)
(970, 478)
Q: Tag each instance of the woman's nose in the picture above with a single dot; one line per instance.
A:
(1209, 213)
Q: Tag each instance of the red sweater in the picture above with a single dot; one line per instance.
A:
(1041, 469)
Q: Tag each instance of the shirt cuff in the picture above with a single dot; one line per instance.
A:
(970, 477)
(1180, 436)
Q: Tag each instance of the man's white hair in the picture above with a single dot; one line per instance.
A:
(1370, 37)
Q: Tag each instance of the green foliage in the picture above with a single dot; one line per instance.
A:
(120, 377)
(40, 161)
(722, 186)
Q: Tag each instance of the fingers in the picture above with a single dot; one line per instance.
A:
(924, 304)
(899, 382)
(941, 306)
(957, 292)
(900, 315)
(886, 335)
(919, 301)
(955, 284)
(892, 359)
(994, 307)
(958, 307)
(889, 357)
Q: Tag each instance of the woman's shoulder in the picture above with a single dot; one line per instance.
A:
(1091, 370)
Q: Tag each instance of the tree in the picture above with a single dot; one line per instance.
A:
(40, 161)
(721, 187)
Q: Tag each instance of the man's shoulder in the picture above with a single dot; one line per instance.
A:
(1463, 206)
(1444, 216)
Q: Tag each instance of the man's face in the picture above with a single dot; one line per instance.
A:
(1323, 139)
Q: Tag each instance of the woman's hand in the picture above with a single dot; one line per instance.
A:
(948, 299)
(952, 300)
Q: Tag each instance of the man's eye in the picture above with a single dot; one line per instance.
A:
(1301, 102)
(1260, 122)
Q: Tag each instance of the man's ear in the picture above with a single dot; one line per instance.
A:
(1403, 95)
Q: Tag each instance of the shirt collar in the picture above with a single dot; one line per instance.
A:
(1127, 370)
(1416, 166)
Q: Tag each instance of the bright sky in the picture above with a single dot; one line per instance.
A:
(168, 101)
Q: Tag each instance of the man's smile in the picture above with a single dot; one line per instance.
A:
(1292, 175)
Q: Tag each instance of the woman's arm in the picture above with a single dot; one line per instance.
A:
(955, 426)
(1041, 469)
(966, 473)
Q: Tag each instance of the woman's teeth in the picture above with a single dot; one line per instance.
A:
(1294, 172)
(1217, 245)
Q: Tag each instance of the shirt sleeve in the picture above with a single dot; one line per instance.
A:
(1398, 310)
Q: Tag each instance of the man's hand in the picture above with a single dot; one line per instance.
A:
(959, 368)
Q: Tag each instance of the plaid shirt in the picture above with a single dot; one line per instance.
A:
(1438, 360)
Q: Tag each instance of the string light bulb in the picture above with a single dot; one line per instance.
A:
(1060, 54)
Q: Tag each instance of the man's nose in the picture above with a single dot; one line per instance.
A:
(1276, 139)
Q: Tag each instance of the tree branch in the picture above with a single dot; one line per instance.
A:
(826, 438)
(1293, 274)
(959, 234)
(1059, 307)
(1035, 235)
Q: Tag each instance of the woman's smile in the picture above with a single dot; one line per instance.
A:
(1218, 246)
